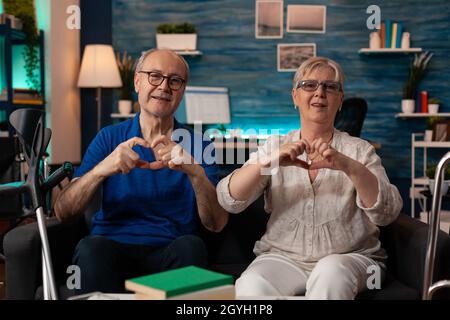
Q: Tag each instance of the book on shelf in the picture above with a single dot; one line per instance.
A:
(391, 34)
(388, 35)
(396, 38)
(383, 35)
(177, 282)
(394, 35)
(23, 96)
(26, 101)
(29, 94)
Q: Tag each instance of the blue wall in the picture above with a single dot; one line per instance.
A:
(260, 96)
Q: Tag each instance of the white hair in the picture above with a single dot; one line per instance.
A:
(315, 63)
(145, 54)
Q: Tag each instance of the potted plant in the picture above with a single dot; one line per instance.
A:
(181, 37)
(25, 12)
(431, 171)
(433, 105)
(416, 73)
(125, 64)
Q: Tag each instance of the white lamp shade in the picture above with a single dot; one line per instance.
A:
(99, 68)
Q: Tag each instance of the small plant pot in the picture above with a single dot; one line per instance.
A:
(408, 105)
(433, 108)
(177, 41)
(444, 186)
(125, 106)
(428, 135)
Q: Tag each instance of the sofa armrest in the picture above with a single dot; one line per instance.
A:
(22, 247)
(405, 241)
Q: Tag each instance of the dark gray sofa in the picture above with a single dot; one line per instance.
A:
(229, 252)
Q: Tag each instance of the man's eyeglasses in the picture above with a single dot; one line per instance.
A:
(313, 85)
(156, 78)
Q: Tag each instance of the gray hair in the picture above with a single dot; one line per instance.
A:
(315, 63)
(145, 54)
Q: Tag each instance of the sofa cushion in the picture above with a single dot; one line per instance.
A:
(234, 245)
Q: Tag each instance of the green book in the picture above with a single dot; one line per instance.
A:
(171, 283)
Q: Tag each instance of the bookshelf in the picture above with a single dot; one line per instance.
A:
(420, 183)
(12, 37)
(368, 51)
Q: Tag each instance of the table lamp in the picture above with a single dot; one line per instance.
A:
(99, 70)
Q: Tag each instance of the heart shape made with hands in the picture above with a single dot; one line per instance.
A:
(169, 154)
(319, 154)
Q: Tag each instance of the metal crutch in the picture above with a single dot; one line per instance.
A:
(48, 279)
(34, 139)
(45, 270)
(428, 287)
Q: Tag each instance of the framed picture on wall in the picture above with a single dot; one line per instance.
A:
(441, 131)
(306, 18)
(269, 19)
(291, 55)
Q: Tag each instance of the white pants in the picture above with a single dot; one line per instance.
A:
(335, 277)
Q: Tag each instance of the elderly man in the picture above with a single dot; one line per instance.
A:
(153, 190)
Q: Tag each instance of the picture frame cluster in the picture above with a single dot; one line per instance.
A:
(269, 21)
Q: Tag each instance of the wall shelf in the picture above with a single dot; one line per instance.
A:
(15, 34)
(122, 116)
(432, 144)
(12, 37)
(422, 115)
(368, 51)
(190, 53)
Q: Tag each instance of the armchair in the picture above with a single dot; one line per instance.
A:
(351, 116)
(229, 252)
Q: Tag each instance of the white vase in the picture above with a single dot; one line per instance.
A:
(406, 40)
(408, 105)
(444, 186)
(375, 41)
(125, 106)
(428, 135)
(433, 108)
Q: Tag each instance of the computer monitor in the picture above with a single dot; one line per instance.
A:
(208, 105)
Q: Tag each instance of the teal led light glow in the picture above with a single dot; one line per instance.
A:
(19, 74)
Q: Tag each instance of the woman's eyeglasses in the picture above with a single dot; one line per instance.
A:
(156, 78)
(313, 85)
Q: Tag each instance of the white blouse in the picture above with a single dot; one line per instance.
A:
(310, 221)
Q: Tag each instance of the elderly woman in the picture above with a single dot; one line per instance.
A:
(326, 199)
